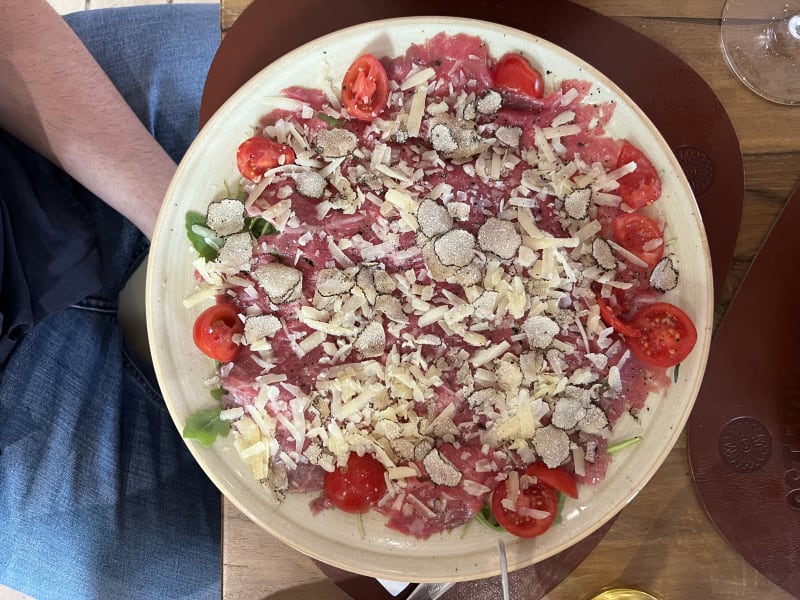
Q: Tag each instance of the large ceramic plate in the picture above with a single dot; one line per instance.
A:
(332, 536)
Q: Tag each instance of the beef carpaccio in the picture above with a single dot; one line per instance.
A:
(441, 265)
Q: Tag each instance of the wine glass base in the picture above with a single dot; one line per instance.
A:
(623, 594)
(761, 49)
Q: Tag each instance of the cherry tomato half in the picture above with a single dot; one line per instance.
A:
(214, 330)
(258, 154)
(666, 335)
(365, 88)
(610, 318)
(514, 73)
(558, 478)
(538, 496)
(633, 232)
(643, 186)
(357, 486)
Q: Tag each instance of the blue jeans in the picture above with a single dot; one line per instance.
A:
(99, 497)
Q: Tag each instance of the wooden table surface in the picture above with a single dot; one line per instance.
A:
(663, 542)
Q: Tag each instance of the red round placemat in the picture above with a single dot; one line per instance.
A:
(693, 122)
(744, 433)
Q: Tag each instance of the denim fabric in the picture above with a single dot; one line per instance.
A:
(49, 257)
(158, 58)
(99, 497)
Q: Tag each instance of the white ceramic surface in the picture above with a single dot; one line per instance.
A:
(334, 536)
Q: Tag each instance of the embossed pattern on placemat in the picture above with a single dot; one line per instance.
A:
(693, 122)
(744, 433)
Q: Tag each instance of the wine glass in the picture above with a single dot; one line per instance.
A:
(623, 594)
(761, 44)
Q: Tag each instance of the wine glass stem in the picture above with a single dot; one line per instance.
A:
(793, 25)
(783, 34)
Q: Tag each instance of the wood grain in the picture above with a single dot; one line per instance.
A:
(257, 566)
(663, 541)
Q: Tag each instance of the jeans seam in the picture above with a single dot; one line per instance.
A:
(111, 310)
(134, 370)
(100, 302)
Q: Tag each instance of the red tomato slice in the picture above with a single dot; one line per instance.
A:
(258, 154)
(643, 186)
(609, 316)
(365, 88)
(666, 335)
(633, 231)
(557, 478)
(357, 486)
(214, 330)
(514, 73)
(538, 496)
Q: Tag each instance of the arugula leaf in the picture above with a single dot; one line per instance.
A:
(485, 517)
(204, 249)
(332, 121)
(561, 499)
(623, 444)
(259, 226)
(675, 372)
(239, 195)
(205, 425)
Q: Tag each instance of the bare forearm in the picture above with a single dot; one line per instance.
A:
(57, 100)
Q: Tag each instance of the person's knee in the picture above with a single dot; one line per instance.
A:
(158, 57)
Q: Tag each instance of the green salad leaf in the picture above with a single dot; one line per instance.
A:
(259, 226)
(331, 121)
(623, 444)
(205, 425)
(238, 195)
(561, 499)
(485, 517)
(196, 226)
(199, 242)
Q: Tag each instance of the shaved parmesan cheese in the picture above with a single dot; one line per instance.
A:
(627, 255)
(563, 118)
(559, 132)
(487, 355)
(418, 78)
(570, 96)
(312, 341)
(201, 295)
(417, 110)
(402, 472)
(231, 414)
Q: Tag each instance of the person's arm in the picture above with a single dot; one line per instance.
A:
(56, 99)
